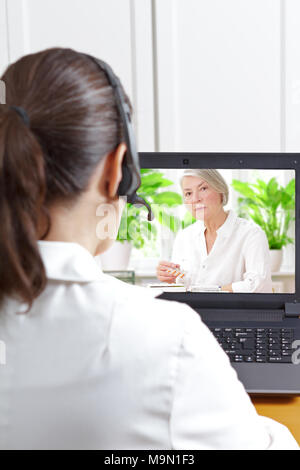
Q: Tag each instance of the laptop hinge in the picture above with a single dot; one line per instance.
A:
(292, 309)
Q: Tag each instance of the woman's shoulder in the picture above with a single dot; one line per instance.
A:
(140, 314)
(146, 301)
(249, 228)
(134, 300)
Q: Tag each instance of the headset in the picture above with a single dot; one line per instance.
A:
(131, 175)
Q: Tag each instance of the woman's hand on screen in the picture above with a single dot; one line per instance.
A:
(162, 271)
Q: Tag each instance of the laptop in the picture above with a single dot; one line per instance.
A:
(258, 326)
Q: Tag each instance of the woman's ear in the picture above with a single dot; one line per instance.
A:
(112, 171)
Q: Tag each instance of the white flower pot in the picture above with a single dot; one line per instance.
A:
(116, 258)
(276, 260)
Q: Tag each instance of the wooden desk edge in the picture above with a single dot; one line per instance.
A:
(284, 409)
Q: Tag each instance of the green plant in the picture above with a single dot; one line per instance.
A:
(271, 206)
(134, 227)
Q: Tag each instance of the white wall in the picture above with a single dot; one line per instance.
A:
(292, 53)
(203, 75)
(4, 60)
(117, 31)
(223, 58)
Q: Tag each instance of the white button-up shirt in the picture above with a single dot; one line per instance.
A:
(240, 256)
(100, 364)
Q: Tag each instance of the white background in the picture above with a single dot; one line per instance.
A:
(203, 75)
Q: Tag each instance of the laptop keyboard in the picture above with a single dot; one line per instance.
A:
(271, 345)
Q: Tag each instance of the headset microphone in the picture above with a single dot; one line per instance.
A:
(131, 175)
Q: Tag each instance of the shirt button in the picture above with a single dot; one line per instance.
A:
(203, 266)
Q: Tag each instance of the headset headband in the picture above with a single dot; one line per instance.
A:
(131, 176)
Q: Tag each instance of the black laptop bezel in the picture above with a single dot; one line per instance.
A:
(267, 161)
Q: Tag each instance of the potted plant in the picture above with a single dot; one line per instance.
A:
(272, 207)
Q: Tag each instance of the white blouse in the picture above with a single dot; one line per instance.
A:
(100, 364)
(240, 256)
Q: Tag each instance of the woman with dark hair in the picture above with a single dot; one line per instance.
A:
(92, 362)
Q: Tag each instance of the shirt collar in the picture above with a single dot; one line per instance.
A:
(71, 262)
(226, 228)
(68, 262)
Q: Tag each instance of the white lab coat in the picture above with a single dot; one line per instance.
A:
(240, 256)
(100, 364)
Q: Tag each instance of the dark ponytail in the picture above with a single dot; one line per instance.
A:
(74, 122)
(22, 194)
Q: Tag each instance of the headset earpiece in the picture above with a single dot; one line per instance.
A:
(125, 183)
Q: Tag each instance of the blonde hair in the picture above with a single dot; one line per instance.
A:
(213, 178)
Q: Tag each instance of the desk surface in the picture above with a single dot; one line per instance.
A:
(284, 410)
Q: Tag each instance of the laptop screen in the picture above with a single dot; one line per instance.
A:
(224, 225)
(218, 230)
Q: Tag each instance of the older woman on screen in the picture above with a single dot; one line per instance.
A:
(219, 249)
